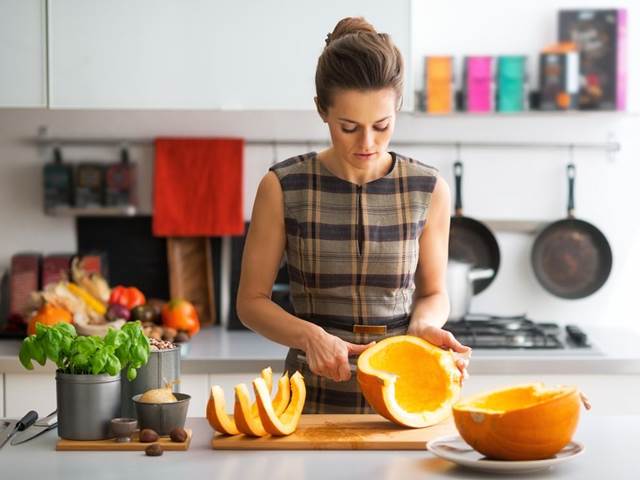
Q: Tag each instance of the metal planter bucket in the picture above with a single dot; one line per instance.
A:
(163, 367)
(86, 404)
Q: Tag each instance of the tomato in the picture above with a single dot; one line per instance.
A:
(129, 297)
(181, 315)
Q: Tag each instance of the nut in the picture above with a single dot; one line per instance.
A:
(169, 334)
(154, 450)
(181, 337)
(178, 434)
(147, 436)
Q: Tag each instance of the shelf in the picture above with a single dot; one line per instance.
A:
(120, 211)
(530, 114)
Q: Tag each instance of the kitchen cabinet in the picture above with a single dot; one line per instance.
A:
(31, 391)
(198, 387)
(23, 53)
(227, 54)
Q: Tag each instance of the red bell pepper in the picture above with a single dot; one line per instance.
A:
(181, 315)
(129, 297)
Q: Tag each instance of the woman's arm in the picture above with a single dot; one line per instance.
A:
(431, 304)
(327, 354)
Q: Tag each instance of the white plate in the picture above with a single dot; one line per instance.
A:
(455, 449)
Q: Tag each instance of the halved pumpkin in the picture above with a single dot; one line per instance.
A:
(524, 422)
(409, 381)
(216, 411)
(272, 421)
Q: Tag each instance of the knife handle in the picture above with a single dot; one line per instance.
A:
(26, 421)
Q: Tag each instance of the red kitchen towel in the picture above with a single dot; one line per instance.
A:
(198, 187)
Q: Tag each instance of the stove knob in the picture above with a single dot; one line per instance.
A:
(577, 336)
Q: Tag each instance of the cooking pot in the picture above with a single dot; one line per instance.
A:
(460, 279)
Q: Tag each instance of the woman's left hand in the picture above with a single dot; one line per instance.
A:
(443, 339)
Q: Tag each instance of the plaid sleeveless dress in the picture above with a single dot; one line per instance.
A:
(351, 253)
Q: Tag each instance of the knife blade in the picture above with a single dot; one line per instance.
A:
(41, 426)
(18, 425)
(303, 358)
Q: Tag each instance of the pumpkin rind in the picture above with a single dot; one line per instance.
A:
(390, 395)
(539, 428)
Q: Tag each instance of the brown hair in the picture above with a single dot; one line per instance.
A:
(357, 57)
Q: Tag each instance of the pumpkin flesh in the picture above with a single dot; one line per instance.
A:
(409, 381)
(286, 422)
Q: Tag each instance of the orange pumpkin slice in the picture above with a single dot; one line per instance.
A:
(524, 422)
(267, 375)
(287, 422)
(246, 422)
(283, 395)
(217, 416)
(409, 381)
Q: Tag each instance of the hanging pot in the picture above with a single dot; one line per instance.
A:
(461, 277)
(571, 258)
(471, 241)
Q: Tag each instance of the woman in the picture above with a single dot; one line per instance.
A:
(365, 231)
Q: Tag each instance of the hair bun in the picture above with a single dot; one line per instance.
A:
(348, 26)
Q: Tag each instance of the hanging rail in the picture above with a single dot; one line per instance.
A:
(609, 146)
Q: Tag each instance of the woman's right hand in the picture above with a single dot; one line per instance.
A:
(328, 356)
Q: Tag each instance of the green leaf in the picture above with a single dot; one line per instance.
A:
(80, 360)
(132, 373)
(113, 365)
(98, 362)
(41, 329)
(66, 329)
(25, 354)
(38, 352)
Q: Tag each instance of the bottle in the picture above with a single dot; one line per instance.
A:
(58, 183)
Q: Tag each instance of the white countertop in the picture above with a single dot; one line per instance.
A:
(610, 443)
(216, 350)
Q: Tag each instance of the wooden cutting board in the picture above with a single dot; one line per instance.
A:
(111, 444)
(341, 432)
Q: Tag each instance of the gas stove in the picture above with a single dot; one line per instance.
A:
(515, 332)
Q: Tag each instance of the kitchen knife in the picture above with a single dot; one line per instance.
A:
(41, 426)
(303, 358)
(17, 426)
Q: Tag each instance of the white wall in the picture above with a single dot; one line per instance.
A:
(498, 183)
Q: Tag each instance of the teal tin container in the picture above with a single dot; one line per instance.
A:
(512, 83)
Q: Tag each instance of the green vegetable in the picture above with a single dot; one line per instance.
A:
(127, 348)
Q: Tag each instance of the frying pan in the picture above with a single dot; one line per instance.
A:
(571, 258)
(470, 241)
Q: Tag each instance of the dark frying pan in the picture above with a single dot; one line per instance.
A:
(471, 241)
(571, 258)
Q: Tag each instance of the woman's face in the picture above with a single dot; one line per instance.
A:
(361, 125)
